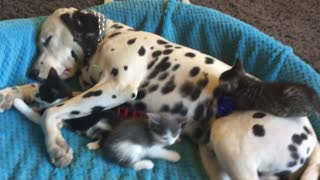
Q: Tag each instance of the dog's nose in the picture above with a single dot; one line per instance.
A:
(33, 74)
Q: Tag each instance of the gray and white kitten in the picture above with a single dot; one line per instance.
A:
(281, 99)
(133, 140)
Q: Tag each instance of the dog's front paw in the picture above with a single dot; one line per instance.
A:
(7, 96)
(173, 156)
(60, 153)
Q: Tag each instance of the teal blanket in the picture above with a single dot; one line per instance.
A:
(23, 154)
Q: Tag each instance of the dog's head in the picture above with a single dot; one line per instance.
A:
(66, 38)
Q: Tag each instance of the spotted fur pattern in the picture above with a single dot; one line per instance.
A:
(147, 71)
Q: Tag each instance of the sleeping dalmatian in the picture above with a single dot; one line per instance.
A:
(118, 64)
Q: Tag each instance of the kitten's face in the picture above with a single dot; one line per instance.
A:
(53, 90)
(229, 80)
(165, 127)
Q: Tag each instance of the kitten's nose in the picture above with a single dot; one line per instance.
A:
(33, 74)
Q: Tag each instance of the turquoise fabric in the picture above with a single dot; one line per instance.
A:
(23, 154)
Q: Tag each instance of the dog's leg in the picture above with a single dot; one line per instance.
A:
(104, 95)
(211, 165)
(25, 92)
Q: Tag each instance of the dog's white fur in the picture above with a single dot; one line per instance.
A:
(126, 84)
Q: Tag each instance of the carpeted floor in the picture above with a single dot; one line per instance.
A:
(294, 22)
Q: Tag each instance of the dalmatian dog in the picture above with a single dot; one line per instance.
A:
(118, 64)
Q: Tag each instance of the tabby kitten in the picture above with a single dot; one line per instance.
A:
(280, 99)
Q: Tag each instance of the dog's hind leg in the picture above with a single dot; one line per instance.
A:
(24, 92)
(313, 166)
(104, 95)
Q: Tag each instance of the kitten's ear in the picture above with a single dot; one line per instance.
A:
(154, 118)
(53, 74)
(238, 66)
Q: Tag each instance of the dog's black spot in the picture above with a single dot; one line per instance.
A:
(199, 112)
(140, 106)
(184, 111)
(175, 67)
(47, 41)
(141, 94)
(153, 88)
(297, 139)
(303, 136)
(84, 28)
(74, 55)
(142, 51)
(292, 163)
(114, 34)
(162, 42)
(168, 46)
(308, 150)
(125, 68)
(258, 130)
(112, 49)
(163, 76)
(209, 60)
(301, 161)
(196, 93)
(59, 105)
(116, 26)
(92, 93)
(194, 71)
(114, 96)
(186, 89)
(74, 112)
(190, 54)
(167, 51)
(131, 41)
(203, 82)
(178, 47)
(189, 89)
(144, 84)
(97, 109)
(133, 95)
(156, 54)
(295, 155)
(169, 86)
(283, 173)
(292, 148)
(150, 65)
(161, 66)
(306, 129)
(165, 108)
(151, 47)
(177, 108)
(114, 72)
(259, 115)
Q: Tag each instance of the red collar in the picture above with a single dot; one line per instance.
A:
(125, 113)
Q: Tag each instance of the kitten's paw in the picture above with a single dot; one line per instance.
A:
(94, 145)
(173, 156)
(143, 164)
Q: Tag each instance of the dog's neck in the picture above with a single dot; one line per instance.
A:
(102, 20)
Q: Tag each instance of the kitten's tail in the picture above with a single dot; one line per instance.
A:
(22, 107)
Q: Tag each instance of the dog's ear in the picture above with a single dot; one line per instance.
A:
(85, 29)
